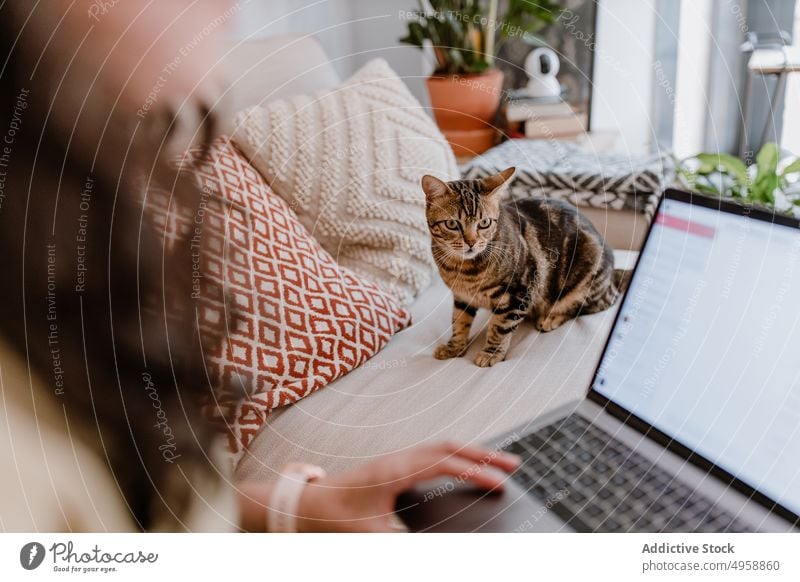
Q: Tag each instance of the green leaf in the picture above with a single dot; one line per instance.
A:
(766, 180)
(771, 184)
(478, 66)
(705, 185)
(791, 168)
(725, 163)
(767, 159)
(529, 15)
(763, 189)
(416, 35)
(706, 168)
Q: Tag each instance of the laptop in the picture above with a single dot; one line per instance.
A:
(692, 420)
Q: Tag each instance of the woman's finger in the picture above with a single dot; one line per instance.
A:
(483, 455)
(422, 468)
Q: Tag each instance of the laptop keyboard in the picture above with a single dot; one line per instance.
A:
(598, 484)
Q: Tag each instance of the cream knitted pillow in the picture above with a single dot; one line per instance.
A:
(349, 162)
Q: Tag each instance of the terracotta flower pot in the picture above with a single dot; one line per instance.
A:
(464, 107)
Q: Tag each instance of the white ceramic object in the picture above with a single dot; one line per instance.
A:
(541, 66)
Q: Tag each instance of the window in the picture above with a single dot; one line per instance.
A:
(791, 114)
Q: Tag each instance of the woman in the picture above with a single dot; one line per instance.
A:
(95, 96)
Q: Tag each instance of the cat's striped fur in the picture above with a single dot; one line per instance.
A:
(535, 258)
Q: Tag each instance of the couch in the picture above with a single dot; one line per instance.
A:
(403, 396)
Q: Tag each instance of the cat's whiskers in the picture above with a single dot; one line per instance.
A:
(446, 252)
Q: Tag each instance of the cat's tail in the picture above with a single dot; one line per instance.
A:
(622, 278)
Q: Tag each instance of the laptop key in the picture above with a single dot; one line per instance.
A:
(539, 490)
(575, 498)
(548, 430)
(624, 507)
(561, 485)
(599, 466)
(605, 494)
(536, 443)
(619, 480)
(595, 443)
(538, 466)
(570, 468)
(517, 448)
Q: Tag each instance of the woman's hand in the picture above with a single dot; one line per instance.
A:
(363, 499)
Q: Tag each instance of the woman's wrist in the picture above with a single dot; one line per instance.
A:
(284, 504)
(308, 508)
(253, 500)
(254, 504)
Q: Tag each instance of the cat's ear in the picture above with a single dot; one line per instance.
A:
(433, 187)
(496, 183)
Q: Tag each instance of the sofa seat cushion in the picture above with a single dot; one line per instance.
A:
(403, 396)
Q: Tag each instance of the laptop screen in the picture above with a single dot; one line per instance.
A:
(706, 347)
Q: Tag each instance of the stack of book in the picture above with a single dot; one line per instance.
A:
(543, 117)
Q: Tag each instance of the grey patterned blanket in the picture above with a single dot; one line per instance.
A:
(564, 170)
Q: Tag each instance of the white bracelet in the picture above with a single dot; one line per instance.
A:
(285, 496)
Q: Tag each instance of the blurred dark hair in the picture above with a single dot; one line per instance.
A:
(92, 297)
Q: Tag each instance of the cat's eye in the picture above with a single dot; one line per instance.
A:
(485, 223)
(451, 224)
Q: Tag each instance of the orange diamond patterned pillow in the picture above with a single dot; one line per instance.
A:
(297, 320)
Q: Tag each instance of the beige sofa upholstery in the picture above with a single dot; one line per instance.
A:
(403, 396)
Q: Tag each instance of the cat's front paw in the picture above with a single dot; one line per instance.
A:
(449, 350)
(487, 359)
(550, 322)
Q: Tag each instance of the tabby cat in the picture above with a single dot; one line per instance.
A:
(537, 257)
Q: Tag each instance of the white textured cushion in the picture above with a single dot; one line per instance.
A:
(349, 161)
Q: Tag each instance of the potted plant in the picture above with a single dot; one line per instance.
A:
(771, 181)
(465, 88)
